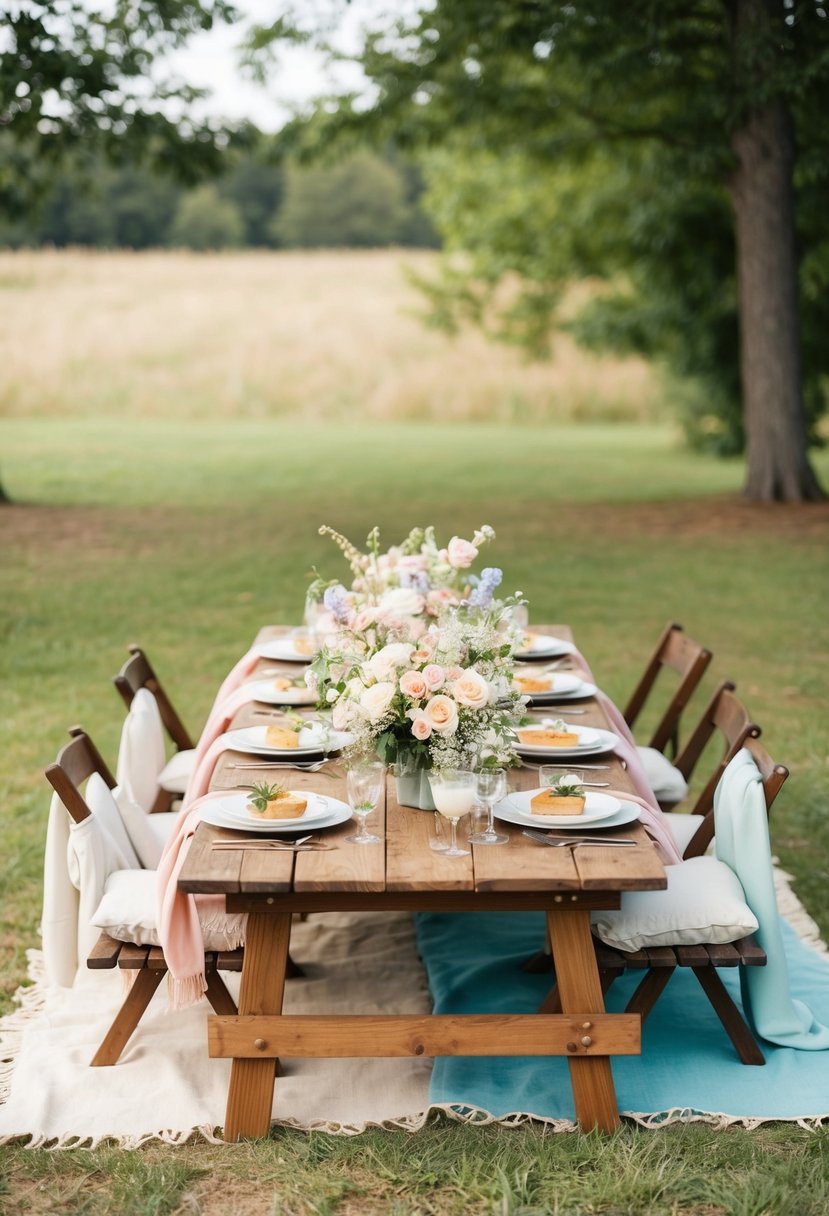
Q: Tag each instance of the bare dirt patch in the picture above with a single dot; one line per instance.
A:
(107, 530)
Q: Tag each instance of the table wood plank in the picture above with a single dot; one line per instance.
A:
(411, 865)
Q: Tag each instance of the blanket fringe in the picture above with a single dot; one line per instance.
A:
(31, 1000)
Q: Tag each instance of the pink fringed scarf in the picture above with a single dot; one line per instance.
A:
(179, 928)
(650, 814)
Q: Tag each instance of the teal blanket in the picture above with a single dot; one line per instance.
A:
(687, 1064)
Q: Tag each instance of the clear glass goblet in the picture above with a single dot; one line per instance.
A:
(454, 792)
(364, 785)
(491, 788)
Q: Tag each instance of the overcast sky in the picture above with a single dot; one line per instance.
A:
(210, 60)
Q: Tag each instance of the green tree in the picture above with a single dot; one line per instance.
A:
(721, 100)
(356, 202)
(256, 188)
(205, 221)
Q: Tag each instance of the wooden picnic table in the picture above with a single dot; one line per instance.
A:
(404, 873)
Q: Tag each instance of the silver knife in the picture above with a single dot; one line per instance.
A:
(559, 841)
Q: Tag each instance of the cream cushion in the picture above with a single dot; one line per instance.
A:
(176, 772)
(703, 904)
(665, 780)
(681, 826)
(127, 912)
(148, 833)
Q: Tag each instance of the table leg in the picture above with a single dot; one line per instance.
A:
(250, 1096)
(580, 990)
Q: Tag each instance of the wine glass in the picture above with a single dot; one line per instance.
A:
(454, 792)
(311, 618)
(492, 787)
(364, 785)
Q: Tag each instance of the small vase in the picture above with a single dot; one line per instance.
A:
(413, 788)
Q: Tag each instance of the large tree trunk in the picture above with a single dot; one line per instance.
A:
(762, 192)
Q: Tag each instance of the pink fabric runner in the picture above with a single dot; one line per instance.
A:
(650, 815)
(179, 930)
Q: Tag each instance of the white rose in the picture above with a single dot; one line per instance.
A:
(376, 700)
(382, 664)
(442, 714)
(400, 601)
(470, 688)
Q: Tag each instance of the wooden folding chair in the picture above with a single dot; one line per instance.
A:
(727, 717)
(76, 762)
(682, 655)
(660, 962)
(138, 673)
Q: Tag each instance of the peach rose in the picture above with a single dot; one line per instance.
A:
(376, 700)
(470, 688)
(421, 727)
(442, 714)
(412, 684)
(434, 676)
(461, 553)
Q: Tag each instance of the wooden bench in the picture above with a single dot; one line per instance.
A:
(150, 966)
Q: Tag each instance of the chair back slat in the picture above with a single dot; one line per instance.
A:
(76, 762)
(681, 654)
(138, 673)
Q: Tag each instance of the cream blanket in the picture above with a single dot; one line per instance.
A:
(165, 1085)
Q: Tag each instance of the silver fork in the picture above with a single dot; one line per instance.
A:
(312, 767)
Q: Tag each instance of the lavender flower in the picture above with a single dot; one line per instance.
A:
(482, 592)
(336, 601)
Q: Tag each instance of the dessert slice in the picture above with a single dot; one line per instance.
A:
(557, 734)
(303, 646)
(565, 797)
(272, 802)
(281, 736)
(282, 683)
(534, 683)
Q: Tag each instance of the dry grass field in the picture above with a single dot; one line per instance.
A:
(323, 336)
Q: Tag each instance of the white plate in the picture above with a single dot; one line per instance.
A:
(627, 813)
(582, 690)
(515, 808)
(229, 812)
(558, 684)
(264, 690)
(545, 646)
(285, 650)
(592, 742)
(313, 740)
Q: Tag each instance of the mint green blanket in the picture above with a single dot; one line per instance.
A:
(687, 1064)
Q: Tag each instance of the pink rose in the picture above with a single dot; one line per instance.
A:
(363, 620)
(461, 553)
(442, 714)
(421, 727)
(470, 688)
(454, 673)
(413, 684)
(434, 676)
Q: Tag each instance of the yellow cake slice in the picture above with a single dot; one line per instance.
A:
(284, 806)
(550, 803)
(548, 738)
(534, 683)
(281, 736)
(303, 645)
(282, 684)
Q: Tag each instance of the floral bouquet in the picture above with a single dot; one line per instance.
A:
(437, 696)
(416, 579)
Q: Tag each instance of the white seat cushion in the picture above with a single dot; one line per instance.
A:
(148, 833)
(127, 912)
(665, 780)
(703, 905)
(682, 827)
(176, 772)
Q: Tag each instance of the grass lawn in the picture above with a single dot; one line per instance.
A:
(187, 536)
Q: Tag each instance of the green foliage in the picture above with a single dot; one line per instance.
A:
(204, 221)
(596, 140)
(357, 202)
(75, 77)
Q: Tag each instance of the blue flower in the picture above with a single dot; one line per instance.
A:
(481, 596)
(336, 601)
